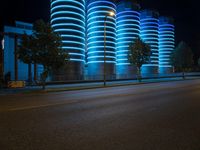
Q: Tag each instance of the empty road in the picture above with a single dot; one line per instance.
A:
(156, 116)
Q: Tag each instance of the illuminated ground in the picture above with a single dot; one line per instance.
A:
(157, 116)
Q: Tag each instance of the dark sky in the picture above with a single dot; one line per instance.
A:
(186, 15)
(187, 19)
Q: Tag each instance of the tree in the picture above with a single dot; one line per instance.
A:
(43, 47)
(139, 54)
(199, 62)
(182, 58)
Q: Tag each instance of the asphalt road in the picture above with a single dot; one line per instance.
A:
(157, 116)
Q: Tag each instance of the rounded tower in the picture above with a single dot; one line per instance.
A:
(101, 38)
(68, 19)
(128, 29)
(166, 44)
(149, 23)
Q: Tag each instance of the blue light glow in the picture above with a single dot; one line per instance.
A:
(54, 2)
(111, 52)
(68, 19)
(97, 14)
(166, 42)
(66, 25)
(128, 25)
(101, 32)
(149, 24)
(94, 62)
(100, 27)
(81, 26)
(128, 28)
(68, 7)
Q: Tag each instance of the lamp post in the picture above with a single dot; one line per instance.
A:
(111, 14)
(1, 59)
(1, 55)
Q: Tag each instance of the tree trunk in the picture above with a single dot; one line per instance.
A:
(35, 72)
(183, 73)
(44, 76)
(43, 85)
(139, 74)
(29, 73)
(16, 58)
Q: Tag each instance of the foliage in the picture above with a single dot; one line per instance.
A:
(199, 62)
(1, 81)
(182, 57)
(43, 47)
(139, 54)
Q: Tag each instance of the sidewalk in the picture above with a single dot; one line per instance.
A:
(81, 86)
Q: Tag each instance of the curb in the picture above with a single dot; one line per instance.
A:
(108, 86)
(53, 90)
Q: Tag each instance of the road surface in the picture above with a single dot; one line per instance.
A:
(157, 116)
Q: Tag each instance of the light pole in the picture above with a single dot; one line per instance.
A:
(1, 56)
(1, 60)
(111, 14)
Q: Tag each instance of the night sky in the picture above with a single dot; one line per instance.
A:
(186, 15)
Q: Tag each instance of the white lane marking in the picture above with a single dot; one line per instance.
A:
(41, 106)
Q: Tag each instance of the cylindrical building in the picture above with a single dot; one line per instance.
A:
(149, 33)
(68, 19)
(128, 28)
(101, 33)
(166, 44)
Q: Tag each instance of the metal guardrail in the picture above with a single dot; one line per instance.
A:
(91, 79)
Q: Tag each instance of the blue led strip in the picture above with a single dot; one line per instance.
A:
(149, 25)
(128, 28)
(97, 10)
(68, 19)
(166, 41)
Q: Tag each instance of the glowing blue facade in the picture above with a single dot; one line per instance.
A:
(68, 19)
(149, 23)
(85, 25)
(128, 28)
(97, 13)
(10, 63)
(166, 44)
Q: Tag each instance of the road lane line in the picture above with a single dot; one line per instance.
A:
(78, 100)
(40, 106)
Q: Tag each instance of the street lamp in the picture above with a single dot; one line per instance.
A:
(111, 14)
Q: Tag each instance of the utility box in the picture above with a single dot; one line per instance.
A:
(16, 84)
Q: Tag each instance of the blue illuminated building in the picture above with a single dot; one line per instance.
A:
(92, 36)
(68, 19)
(166, 44)
(88, 31)
(149, 23)
(13, 67)
(128, 28)
(97, 18)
